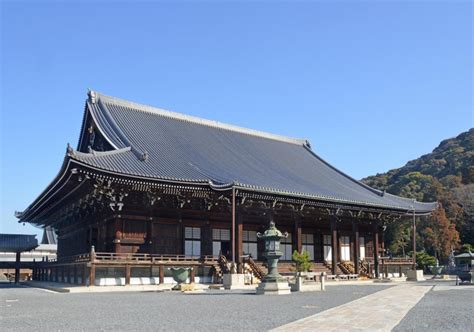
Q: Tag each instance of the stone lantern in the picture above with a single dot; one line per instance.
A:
(273, 282)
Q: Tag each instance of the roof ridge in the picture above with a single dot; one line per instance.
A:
(95, 153)
(360, 183)
(94, 96)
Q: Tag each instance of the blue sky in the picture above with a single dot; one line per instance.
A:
(370, 84)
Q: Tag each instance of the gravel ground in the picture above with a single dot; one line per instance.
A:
(33, 309)
(445, 308)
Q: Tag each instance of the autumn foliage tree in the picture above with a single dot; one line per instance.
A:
(439, 234)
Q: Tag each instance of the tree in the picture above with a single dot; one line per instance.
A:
(302, 261)
(399, 235)
(439, 234)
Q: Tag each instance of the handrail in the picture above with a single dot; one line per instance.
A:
(104, 257)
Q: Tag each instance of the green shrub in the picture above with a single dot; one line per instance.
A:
(302, 261)
(423, 260)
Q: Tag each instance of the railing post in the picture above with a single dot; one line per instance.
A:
(92, 269)
(127, 274)
(162, 274)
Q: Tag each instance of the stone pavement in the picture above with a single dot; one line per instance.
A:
(381, 311)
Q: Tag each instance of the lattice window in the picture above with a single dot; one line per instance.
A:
(192, 241)
(307, 244)
(327, 246)
(250, 243)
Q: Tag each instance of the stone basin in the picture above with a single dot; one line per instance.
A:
(180, 274)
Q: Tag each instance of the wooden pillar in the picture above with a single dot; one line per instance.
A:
(355, 228)
(239, 244)
(233, 226)
(206, 239)
(297, 244)
(17, 267)
(399, 271)
(92, 275)
(162, 274)
(92, 268)
(149, 235)
(33, 276)
(118, 225)
(193, 274)
(376, 244)
(334, 244)
(180, 233)
(127, 274)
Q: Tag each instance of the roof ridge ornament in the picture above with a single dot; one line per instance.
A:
(92, 96)
(69, 150)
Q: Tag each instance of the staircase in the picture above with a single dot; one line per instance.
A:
(222, 266)
(347, 267)
(255, 269)
(364, 269)
(328, 266)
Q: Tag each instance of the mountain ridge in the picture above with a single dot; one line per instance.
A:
(445, 175)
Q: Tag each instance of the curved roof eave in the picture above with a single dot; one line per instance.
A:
(271, 191)
(47, 192)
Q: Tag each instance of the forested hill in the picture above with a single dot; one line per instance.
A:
(445, 175)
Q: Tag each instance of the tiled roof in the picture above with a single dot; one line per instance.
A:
(158, 144)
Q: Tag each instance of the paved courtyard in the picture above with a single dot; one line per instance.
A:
(27, 308)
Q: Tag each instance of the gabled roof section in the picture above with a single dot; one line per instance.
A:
(158, 144)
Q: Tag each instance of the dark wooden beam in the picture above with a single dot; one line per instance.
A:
(376, 244)
(297, 233)
(334, 244)
(355, 228)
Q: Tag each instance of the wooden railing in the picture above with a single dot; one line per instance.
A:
(394, 260)
(137, 258)
(99, 257)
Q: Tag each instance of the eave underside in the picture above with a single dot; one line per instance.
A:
(81, 189)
